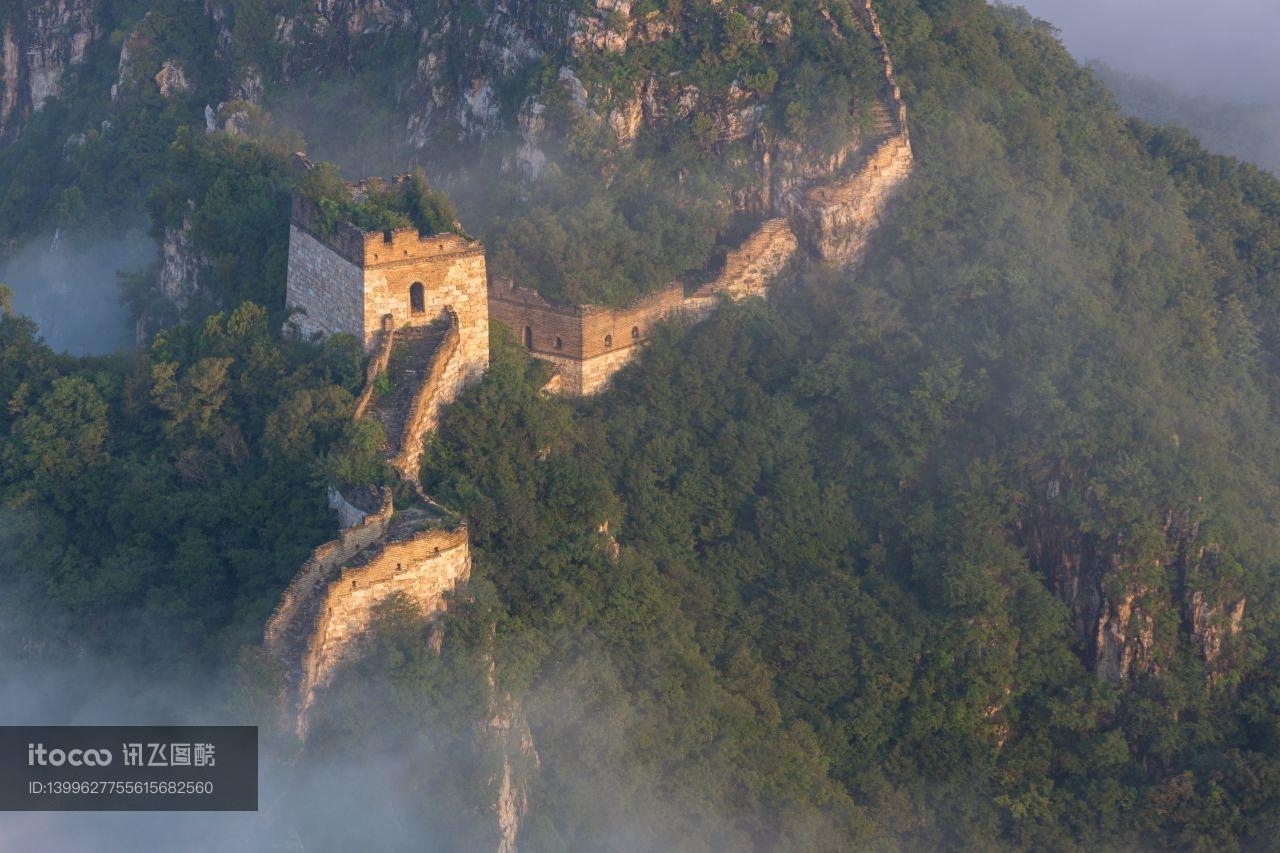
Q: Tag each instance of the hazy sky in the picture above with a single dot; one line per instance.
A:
(1225, 48)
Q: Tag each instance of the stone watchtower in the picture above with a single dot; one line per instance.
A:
(348, 280)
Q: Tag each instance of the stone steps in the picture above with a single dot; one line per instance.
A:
(407, 371)
(885, 123)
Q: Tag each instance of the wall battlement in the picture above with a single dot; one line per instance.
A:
(587, 343)
(345, 280)
(368, 249)
(285, 624)
(422, 565)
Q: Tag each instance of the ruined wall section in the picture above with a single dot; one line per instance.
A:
(349, 515)
(387, 288)
(836, 218)
(748, 268)
(589, 343)
(289, 623)
(423, 567)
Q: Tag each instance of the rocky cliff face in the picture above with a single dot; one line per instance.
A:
(508, 732)
(522, 71)
(460, 59)
(523, 78)
(39, 41)
(1132, 613)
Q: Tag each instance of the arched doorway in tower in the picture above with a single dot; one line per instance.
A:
(528, 337)
(417, 301)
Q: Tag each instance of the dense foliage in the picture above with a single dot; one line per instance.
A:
(377, 206)
(156, 503)
(801, 580)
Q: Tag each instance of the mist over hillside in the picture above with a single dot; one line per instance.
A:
(968, 545)
(1209, 69)
(1223, 49)
(69, 284)
(1248, 131)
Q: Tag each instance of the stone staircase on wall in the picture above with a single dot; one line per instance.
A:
(834, 219)
(407, 371)
(884, 124)
(419, 551)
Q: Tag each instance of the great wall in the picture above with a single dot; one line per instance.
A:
(588, 344)
(421, 303)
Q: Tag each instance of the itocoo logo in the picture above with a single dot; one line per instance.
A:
(37, 754)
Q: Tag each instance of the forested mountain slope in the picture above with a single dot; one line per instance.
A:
(971, 546)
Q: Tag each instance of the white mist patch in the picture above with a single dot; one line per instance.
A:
(1224, 49)
(69, 284)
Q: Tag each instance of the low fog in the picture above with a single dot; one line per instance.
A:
(69, 284)
(1224, 49)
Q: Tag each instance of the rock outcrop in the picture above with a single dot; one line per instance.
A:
(1120, 603)
(171, 79)
(180, 267)
(38, 42)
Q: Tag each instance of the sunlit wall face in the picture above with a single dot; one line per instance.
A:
(1209, 47)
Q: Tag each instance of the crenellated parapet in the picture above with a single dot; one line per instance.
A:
(418, 558)
(289, 625)
(588, 344)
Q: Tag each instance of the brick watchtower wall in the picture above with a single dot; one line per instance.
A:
(324, 289)
(344, 280)
(587, 343)
(451, 270)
